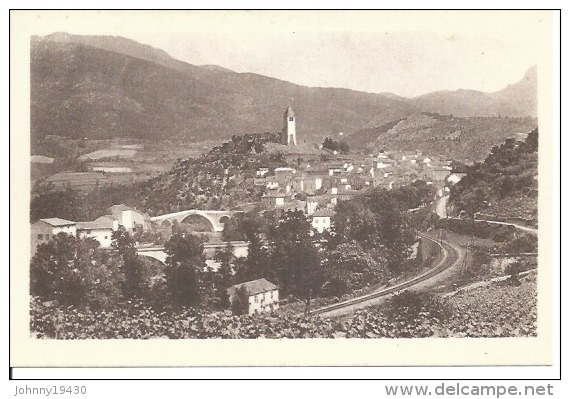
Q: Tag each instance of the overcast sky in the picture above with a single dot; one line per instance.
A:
(406, 64)
(405, 53)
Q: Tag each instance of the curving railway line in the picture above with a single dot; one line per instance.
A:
(451, 255)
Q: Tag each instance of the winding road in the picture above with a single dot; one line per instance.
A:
(441, 210)
(451, 256)
(441, 207)
(516, 226)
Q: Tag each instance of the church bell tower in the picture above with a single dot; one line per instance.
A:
(289, 136)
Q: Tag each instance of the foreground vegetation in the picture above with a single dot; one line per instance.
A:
(497, 310)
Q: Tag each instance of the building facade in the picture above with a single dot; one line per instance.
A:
(128, 217)
(260, 296)
(100, 229)
(322, 220)
(44, 229)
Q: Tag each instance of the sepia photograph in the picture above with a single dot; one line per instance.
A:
(375, 180)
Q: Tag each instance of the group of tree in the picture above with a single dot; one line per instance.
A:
(247, 143)
(379, 223)
(286, 255)
(75, 271)
(370, 242)
(508, 171)
(333, 145)
(413, 195)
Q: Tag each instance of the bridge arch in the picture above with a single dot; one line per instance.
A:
(199, 220)
(239, 249)
(159, 255)
(216, 218)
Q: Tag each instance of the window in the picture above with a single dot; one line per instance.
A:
(290, 119)
(40, 236)
(106, 237)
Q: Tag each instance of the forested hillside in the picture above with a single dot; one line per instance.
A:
(505, 184)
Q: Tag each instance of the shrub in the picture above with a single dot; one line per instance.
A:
(410, 306)
(514, 269)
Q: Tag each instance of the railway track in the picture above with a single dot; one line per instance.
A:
(450, 257)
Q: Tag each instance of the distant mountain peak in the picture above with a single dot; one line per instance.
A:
(117, 44)
(529, 78)
(531, 72)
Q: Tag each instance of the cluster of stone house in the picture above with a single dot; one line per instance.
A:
(317, 186)
(321, 185)
(100, 229)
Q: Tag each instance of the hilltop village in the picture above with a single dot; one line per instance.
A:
(314, 184)
(302, 177)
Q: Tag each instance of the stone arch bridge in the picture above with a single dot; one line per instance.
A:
(239, 249)
(216, 218)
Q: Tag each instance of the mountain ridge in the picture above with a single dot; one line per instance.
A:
(107, 86)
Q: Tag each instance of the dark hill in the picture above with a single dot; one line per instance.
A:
(505, 185)
(79, 91)
(99, 87)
